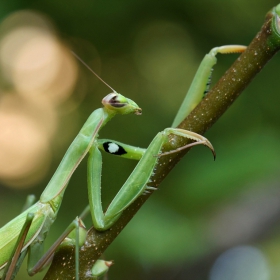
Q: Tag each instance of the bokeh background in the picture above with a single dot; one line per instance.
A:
(209, 220)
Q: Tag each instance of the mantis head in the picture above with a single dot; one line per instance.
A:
(120, 104)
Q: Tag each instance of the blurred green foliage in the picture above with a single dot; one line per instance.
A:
(149, 51)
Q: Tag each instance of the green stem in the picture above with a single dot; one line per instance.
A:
(228, 88)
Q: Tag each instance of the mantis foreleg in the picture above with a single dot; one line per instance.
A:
(120, 149)
(136, 184)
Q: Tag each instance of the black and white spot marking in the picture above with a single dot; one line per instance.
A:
(114, 149)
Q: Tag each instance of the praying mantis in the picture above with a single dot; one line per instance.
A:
(29, 229)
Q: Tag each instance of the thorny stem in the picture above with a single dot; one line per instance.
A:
(228, 88)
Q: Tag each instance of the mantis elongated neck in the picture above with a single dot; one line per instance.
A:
(74, 155)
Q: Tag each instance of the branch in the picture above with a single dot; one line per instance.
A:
(228, 88)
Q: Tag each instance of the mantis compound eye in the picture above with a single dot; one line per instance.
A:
(120, 104)
(114, 100)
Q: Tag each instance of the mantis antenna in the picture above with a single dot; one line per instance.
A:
(92, 71)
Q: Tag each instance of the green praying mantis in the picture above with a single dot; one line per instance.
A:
(27, 232)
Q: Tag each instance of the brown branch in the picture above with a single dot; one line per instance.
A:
(228, 88)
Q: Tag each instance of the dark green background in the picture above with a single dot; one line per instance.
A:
(149, 51)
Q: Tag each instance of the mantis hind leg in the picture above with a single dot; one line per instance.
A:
(77, 238)
(74, 235)
(17, 257)
(201, 82)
